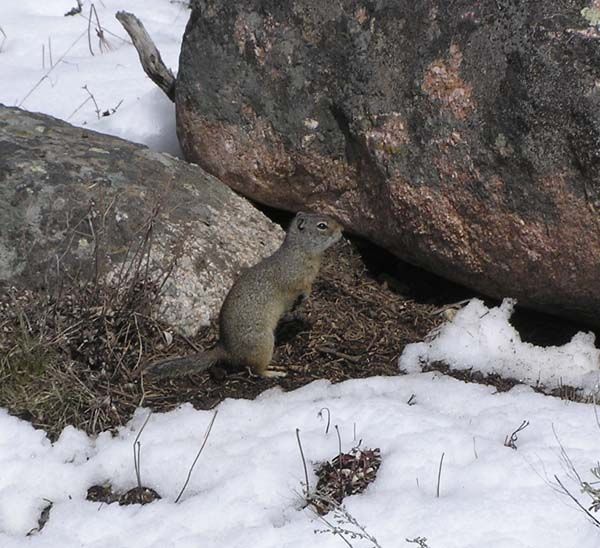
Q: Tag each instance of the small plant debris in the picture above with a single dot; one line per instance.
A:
(420, 541)
(69, 352)
(136, 495)
(511, 441)
(76, 10)
(347, 474)
(593, 492)
(345, 526)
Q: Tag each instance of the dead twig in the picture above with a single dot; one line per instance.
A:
(102, 41)
(344, 525)
(320, 415)
(588, 514)
(439, 478)
(511, 441)
(149, 55)
(77, 9)
(97, 108)
(421, 541)
(137, 452)
(336, 353)
(306, 487)
(50, 51)
(38, 83)
(206, 434)
(4, 37)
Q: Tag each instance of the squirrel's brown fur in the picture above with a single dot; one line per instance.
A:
(259, 298)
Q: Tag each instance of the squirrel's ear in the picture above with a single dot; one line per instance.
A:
(300, 220)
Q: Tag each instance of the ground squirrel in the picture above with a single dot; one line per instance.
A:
(259, 298)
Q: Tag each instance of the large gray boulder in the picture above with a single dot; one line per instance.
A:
(463, 136)
(77, 202)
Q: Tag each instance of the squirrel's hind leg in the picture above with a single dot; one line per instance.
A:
(257, 355)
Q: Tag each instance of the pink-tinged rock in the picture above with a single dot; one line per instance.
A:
(463, 136)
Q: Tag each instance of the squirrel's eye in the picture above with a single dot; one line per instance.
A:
(322, 226)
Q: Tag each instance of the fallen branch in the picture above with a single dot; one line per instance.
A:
(150, 58)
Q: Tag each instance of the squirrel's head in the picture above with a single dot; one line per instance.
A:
(314, 232)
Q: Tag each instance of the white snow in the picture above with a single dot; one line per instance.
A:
(483, 339)
(245, 488)
(33, 28)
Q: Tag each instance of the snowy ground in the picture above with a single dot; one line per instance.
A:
(483, 339)
(244, 491)
(34, 28)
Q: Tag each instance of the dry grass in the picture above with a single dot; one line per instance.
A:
(70, 355)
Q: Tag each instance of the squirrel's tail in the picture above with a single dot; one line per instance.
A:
(194, 363)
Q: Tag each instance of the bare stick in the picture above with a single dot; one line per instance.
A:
(94, 100)
(339, 437)
(320, 415)
(150, 58)
(106, 31)
(303, 463)
(437, 492)
(421, 541)
(50, 70)
(344, 524)
(581, 507)
(50, 51)
(335, 530)
(78, 108)
(102, 42)
(342, 355)
(511, 441)
(4, 37)
(136, 452)
(206, 434)
(89, 34)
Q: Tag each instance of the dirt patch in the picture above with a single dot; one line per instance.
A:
(353, 326)
(70, 359)
(136, 495)
(347, 474)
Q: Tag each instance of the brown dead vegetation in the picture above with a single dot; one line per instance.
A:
(71, 354)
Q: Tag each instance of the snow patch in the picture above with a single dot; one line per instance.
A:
(483, 339)
(47, 65)
(245, 488)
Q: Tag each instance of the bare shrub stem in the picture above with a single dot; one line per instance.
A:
(589, 515)
(306, 488)
(20, 104)
(439, 478)
(137, 452)
(320, 415)
(206, 434)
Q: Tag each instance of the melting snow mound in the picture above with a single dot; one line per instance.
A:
(483, 339)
